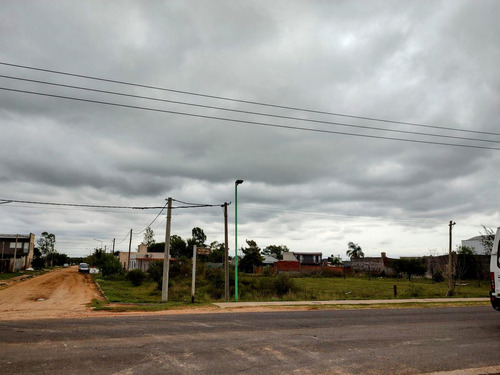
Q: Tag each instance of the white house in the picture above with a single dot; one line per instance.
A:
(475, 242)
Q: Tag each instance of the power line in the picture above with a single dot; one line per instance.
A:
(248, 112)
(80, 205)
(246, 101)
(290, 127)
(157, 216)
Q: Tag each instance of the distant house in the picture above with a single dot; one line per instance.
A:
(269, 260)
(16, 251)
(373, 265)
(309, 259)
(139, 259)
(475, 243)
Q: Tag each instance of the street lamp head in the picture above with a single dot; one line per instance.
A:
(237, 182)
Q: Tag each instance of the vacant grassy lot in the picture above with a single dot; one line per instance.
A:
(383, 288)
(307, 288)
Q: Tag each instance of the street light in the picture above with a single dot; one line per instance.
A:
(236, 183)
(95, 239)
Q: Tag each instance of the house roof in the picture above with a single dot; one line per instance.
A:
(477, 238)
(13, 236)
(269, 259)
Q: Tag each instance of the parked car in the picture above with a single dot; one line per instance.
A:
(84, 268)
(66, 265)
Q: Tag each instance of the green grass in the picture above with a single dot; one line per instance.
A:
(10, 275)
(308, 289)
(120, 290)
(356, 288)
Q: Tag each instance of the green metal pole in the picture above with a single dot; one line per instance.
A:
(236, 242)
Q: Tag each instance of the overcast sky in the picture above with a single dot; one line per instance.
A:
(432, 63)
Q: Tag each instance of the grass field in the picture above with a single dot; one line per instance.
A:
(308, 289)
(383, 288)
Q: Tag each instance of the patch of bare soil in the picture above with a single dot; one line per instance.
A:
(63, 293)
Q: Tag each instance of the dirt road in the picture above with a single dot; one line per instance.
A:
(62, 293)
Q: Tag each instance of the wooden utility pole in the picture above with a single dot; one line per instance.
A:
(226, 256)
(114, 246)
(166, 261)
(450, 270)
(129, 249)
(193, 274)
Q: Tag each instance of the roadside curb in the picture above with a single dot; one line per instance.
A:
(99, 289)
(225, 305)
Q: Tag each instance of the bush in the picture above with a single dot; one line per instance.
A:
(136, 277)
(284, 284)
(110, 266)
(38, 263)
(155, 272)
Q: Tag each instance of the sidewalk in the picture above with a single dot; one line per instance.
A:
(224, 305)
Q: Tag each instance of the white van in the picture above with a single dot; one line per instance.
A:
(495, 272)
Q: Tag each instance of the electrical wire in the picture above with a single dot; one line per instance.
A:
(80, 205)
(289, 127)
(250, 112)
(244, 101)
(157, 216)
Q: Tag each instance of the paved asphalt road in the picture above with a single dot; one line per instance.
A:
(398, 341)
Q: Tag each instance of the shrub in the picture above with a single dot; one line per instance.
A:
(110, 266)
(136, 277)
(155, 272)
(38, 263)
(284, 284)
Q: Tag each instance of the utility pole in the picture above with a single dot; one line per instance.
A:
(193, 274)
(129, 248)
(114, 246)
(166, 261)
(15, 255)
(226, 256)
(450, 274)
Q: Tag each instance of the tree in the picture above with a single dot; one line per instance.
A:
(178, 248)
(466, 263)
(276, 251)
(252, 257)
(335, 261)
(354, 251)
(487, 239)
(46, 243)
(148, 237)
(198, 238)
(217, 251)
(107, 263)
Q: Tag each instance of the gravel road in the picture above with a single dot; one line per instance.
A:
(61, 293)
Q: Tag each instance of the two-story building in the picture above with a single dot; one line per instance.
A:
(16, 251)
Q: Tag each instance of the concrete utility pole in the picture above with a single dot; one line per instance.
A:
(15, 255)
(226, 256)
(129, 249)
(236, 183)
(450, 274)
(166, 261)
